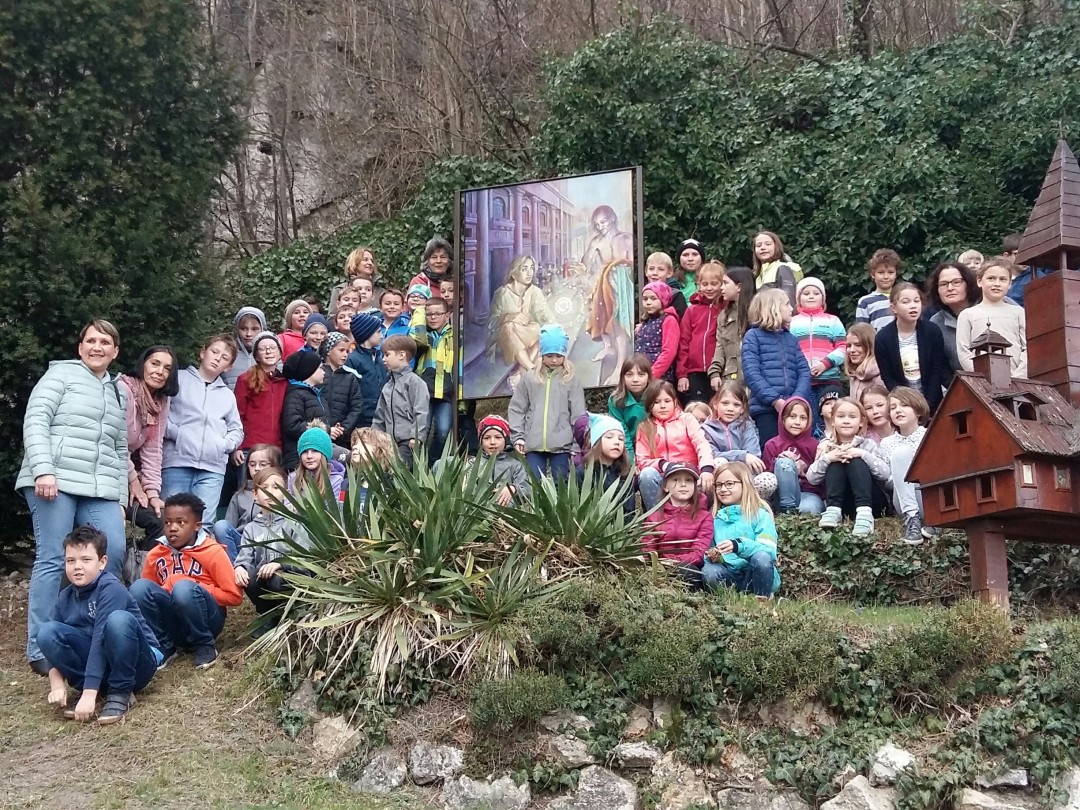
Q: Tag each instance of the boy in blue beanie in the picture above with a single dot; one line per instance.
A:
(366, 361)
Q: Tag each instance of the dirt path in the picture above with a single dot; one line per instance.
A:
(203, 739)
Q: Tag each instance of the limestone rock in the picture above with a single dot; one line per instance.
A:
(384, 773)
(463, 793)
(804, 721)
(335, 739)
(739, 766)
(599, 789)
(1016, 778)
(1069, 784)
(636, 755)
(841, 778)
(570, 752)
(556, 722)
(976, 800)
(639, 723)
(304, 701)
(679, 786)
(859, 794)
(733, 799)
(661, 712)
(888, 763)
(433, 763)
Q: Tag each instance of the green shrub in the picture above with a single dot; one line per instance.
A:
(788, 651)
(527, 695)
(672, 657)
(927, 659)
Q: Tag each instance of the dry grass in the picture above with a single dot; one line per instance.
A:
(194, 740)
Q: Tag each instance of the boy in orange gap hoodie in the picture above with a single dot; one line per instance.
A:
(697, 339)
(187, 582)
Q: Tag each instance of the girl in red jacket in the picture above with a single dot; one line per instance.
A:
(669, 434)
(681, 529)
(657, 335)
(260, 393)
(697, 340)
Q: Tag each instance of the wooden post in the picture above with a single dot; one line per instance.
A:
(989, 563)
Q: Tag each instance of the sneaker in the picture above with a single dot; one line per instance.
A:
(116, 707)
(830, 518)
(39, 666)
(864, 522)
(931, 532)
(913, 529)
(205, 656)
(167, 656)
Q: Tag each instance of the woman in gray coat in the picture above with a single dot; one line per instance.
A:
(74, 469)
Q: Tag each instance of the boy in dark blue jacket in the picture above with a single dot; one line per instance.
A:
(98, 638)
(367, 362)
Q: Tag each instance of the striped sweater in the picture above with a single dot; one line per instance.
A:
(821, 337)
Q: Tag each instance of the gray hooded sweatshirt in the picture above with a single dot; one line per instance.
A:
(244, 358)
(263, 541)
(204, 424)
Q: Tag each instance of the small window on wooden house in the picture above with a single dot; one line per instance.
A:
(1027, 474)
(1025, 411)
(984, 489)
(948, 497)
(1062, 479)
(961, 421)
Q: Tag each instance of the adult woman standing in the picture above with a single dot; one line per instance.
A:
(951, 289)
(150, 384)
(74, 468)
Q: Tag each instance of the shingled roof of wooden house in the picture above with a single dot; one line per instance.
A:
(1054, 433)
(1052, 237)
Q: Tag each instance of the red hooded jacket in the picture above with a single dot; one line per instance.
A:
(697, 341)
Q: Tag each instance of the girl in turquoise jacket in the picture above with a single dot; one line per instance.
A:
(743, 553)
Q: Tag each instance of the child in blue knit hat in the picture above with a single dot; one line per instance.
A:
(318, 467)
(545, 405)
(607, 458)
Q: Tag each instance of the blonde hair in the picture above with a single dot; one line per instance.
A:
(352, 264)
(697, 408)
(661, 258)
(866, 335)
(997, 261)
(969, 256)
(567, 370)
(767, 309)
(375, 444)
(714, 266)
(751, 502)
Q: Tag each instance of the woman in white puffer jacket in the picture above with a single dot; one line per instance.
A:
(74, 469)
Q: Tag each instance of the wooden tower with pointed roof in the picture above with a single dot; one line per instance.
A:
(1052, 241)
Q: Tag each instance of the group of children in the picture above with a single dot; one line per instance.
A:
(744, 397)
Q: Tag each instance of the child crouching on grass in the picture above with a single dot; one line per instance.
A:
(98, 640)
(607, 458)
(681, 529)
(743, 552)
(509, 479)
(258, 567)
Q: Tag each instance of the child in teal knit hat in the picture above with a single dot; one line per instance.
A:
(318, 467)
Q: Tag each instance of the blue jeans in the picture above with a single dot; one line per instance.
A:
(787, 488)
(206, 486)
(187, 617)
(540, 463)
(756, 577)
(130, 661)
(229, 537)
(53, 521)
(442, 422)
(649, 483)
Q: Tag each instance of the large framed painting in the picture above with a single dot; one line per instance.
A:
(565, 251)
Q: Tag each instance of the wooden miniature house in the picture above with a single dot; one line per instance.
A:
(1001, 458)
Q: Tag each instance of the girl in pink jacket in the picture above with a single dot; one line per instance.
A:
(681, 529)
(669, 434)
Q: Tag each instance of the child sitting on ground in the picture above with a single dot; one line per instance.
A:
(403, 402)
(625, 402)
(317, 465)
(669, 435)
(700, 411)
(681, 530)
(544, 406)
(98, 640)
(743, 551)
(789, 455)
(509, 479)
(848, 465)
(187, 583)
(908, 412)
(242, 508)
(733, 436)
(607, 459)
(258, 567)
(875, 402)
(658, 333)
